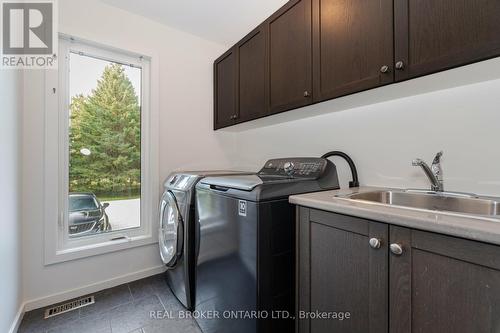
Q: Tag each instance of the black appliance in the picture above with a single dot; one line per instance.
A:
(245, 245)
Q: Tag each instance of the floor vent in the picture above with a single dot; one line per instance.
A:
(70, 306)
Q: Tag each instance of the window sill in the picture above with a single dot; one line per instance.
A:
(86, 251)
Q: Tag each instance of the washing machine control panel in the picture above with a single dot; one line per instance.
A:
(305, 167)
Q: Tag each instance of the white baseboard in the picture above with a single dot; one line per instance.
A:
(91, 288)
(18, 319)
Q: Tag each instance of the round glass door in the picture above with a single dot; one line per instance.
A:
(171, 230)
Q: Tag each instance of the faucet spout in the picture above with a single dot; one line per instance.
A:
(434, 173)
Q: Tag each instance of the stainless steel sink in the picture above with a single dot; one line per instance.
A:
(436, 201)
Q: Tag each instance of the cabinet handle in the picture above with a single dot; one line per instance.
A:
(400, 65)
(396, 249)
(306, 93)
(384, 69)
(375, 243)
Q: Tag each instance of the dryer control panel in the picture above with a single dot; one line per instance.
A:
(302, 167)
(180, 181)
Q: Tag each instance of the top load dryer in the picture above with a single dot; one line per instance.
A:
(245, 244)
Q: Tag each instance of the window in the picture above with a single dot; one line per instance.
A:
(103, 151)
(104, 145)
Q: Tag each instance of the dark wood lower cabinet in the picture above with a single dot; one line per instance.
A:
(338, 272)
(438, 284)
(442, 284)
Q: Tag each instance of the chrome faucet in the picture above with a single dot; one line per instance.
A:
(434, 173)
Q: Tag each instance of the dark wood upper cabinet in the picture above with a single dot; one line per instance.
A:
(338, 271)
(314, 50)
(252, 75)
(225, 89)
(290, 72)
(352, 46)
(443, 284)
(434, 35)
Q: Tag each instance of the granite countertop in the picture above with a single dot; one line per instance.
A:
(471, 227)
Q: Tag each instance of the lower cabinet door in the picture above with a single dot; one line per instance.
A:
(442, 284)
(342, 274)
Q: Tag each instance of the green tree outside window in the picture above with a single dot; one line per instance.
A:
(105, 138)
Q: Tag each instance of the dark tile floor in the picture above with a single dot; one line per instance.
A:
(122, 309)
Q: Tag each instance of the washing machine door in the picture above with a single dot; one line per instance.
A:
(171, 233)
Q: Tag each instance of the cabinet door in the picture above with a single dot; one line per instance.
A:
(290, 65)
(352, 46)
(338, 271)
(252, 75)
(225, 89)
(434, 35)
(442, 284)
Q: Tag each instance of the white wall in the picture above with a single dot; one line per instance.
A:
(10, 236)
(457, 111)
(185, 102)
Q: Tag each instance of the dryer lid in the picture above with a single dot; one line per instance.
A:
(171, 232)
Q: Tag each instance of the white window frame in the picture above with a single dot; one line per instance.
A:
(59, 247)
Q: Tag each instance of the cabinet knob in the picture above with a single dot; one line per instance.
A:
(384, 69)
(396, 249)
(306, 93)
(400, 65)
(375, 243)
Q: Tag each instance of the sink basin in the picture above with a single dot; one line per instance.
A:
(447, 202)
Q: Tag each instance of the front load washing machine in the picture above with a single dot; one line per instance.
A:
(176, 233)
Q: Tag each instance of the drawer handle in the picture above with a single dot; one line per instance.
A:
(384, 69)
(375, 243)
(306, 93)
(400, 65)
(396, 249)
